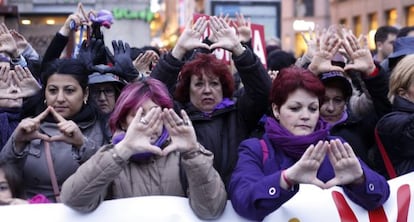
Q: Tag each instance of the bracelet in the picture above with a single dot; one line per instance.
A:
(287, 180)
(191, 154)
(116, 156)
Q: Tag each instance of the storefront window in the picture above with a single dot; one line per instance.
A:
(391, 16)
(410, 16)
(303, 8)
(357, 25)
(373, 26)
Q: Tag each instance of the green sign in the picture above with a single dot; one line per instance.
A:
(122, 13)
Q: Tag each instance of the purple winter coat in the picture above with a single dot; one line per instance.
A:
(255, 190)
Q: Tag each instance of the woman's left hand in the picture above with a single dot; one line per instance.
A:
(345, 164)
(183, 137)
(70, 131)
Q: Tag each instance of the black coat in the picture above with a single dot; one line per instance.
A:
(222, 131)
(396, 131)
(358, 131)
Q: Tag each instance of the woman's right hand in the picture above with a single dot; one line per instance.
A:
(138, 135)
(74, 18)
(28, 129)
(306, 168)
(190, 38)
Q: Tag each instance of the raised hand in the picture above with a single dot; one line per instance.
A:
(190, 38)
(21, 42)
(5, 80)
(144, 60)
(138, 135)
(70, 131)
(327, 45)
(183, 137)
(7, 43)
(345, 164)
(24, 79)
(310, 40)
(91, 51)
(306, 168)
(243, 27)
(226, 36)
(122, 61)
(358, 51)
(28, 129)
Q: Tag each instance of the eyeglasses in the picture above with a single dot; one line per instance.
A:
(106, 91)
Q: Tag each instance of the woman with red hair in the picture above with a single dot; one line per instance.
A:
(203, 86)
(297, 149)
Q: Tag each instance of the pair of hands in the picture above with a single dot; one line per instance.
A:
(346, 165)
(324, 44)
(95, 51)
(224, 37)
(138, 135)
(28, 129)
(17, 83)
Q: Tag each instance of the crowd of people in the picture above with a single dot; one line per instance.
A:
(105, 124)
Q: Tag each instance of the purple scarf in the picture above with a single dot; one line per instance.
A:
(294, 146)
(226, 102)
(161, 142)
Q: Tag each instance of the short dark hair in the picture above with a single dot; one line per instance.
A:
(403, 32)
(382, 33)
(279, 59)
(73, 67)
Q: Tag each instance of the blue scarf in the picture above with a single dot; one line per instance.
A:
(294, 146)
(161, 142)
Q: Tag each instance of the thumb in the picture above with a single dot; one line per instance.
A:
(331, 183)
(41, 136)
(168, 149)
(60, 137)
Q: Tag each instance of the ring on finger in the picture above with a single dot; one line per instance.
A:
(143, 121)
(179, 123)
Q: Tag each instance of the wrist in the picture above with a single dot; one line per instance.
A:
(286, 179)
(238, 49)
(178, 53)
(194, 152)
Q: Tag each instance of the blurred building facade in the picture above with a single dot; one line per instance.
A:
(363, 17)
(160, 22)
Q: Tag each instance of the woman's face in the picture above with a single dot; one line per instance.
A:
(299, 114)
(64, 94)
(146, 106)
(333, 105)
(104, 96)
(205, 92)
(12, 103)
(5, 192)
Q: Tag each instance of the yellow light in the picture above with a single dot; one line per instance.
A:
(50, 22)
(26, 22)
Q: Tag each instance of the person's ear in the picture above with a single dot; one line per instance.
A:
(275, 111)
(402, 92)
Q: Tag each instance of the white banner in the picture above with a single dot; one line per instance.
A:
(310, 204)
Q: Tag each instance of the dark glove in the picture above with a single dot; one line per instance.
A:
(122, 62)
(92, 53)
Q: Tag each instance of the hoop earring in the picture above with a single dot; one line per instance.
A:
(44, 101)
